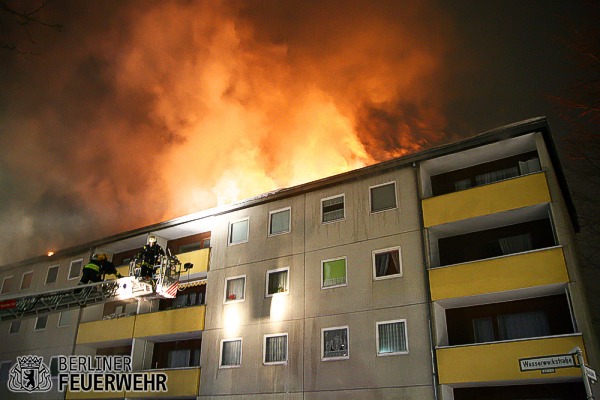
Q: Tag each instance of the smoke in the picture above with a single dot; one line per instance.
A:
(143, 111)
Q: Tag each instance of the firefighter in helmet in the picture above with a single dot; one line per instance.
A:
(95, 270)
(150, 257)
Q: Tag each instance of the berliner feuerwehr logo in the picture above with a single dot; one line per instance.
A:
(29, 374)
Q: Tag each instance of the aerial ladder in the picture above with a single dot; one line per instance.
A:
(163, 284)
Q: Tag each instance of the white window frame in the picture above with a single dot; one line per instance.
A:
(11, 325)
(225, 299)
(60, 316)
(273, 271)
(371, 197)
(347, 356)
(269, 233)
(287, 349)
(322, 274)
(230, 232)
(23, 280)
(397, 353)
(48, 274)
(6, 278)
(35, 328)
(71, 268)
(387, 250)
(241, 340)
(343, 196)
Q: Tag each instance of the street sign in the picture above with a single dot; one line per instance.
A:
(546, 362)
(590, 373)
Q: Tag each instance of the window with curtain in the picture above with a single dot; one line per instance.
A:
(335, 343)
(52, 274)
(333, 273)
(483, 330)
(275, 349)
(523, 325)
(496, 176)
(178, 358)
(231, 353)
(392, 338)
(238, 231)
(75, 269)
(65, 318)
(279, 221)
(463, 184)
(332, 208)
(386, 263)
(529, 166)
(516, 244)
(235, 288)
(383, 197)
(277, 281)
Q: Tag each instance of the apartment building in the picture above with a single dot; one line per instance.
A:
(425, 277)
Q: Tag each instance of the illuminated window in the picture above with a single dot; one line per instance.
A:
(275, 349)
(75, 269)
(392, 338)
(335, 343)
(235, 289)
(333, 273)
(231, 353)
(383, 197)
(7, 284)
(52, 274)
(332, 208)
(387, 263)
(40, 323)
(238, 231)
(277, 281)
(26, 280)
(279, 221)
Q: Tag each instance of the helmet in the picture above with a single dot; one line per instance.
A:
(151, 239)
(99, 257)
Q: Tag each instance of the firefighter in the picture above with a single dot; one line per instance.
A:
(150, 257)
(95, 270)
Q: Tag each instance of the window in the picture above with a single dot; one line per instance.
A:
(277, 281)
(54, 366)
(335, 343)
(75, 269)
(40, 323)
(275, 349)
(392, 338)
(206, 243)
(15, 326)
(231, 353)
(279, 221)
(332, 209)
(65, 318)
(26, 280)
(52, 274)
(186, 248)
(483, 329)
(4, 370)
(383, 197)
(238, 231)
(178, 358)
(333, 273)
(235, 289)
(7, 284)
(387, 263)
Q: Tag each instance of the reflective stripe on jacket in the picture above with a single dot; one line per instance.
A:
(92, 267)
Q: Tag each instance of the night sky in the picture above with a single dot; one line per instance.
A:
(142, 111)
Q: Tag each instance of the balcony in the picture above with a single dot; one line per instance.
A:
(183, 382)
(499, 362)
(180, 320)
(510, 194)
(517, 271)
(199, 258)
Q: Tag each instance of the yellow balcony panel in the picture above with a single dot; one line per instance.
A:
(123, 270)
(492, 362)
(189, 319)
(105, 330)
(180, 383)
(199, 258)
(518, 271)
(506, 195)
